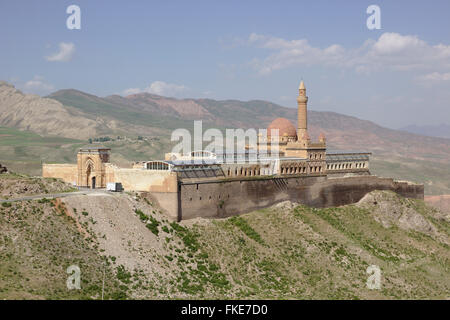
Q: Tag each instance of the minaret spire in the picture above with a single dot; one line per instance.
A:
(302, 85)
(302, 101)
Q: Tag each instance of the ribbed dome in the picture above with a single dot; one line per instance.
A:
(284, 126)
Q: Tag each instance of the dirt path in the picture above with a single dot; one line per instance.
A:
(55, 195)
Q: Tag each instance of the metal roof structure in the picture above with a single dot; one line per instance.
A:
(347, 157)
(347, 152)
(199, 171)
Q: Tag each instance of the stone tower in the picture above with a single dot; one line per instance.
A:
(91, 166)
(304, 147)
(302, 101)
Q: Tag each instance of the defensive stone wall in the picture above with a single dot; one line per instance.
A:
(144, 180)
(216, 199)
(66, 172)
(167, 201)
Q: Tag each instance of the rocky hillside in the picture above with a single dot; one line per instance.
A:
(442, 130)
(284, 252)
(50, 117)
(42, 115)
(14, 185)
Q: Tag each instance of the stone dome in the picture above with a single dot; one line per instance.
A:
(284, 126)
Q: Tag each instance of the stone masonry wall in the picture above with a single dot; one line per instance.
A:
(144, 180)
(66, 172)
(232, 197)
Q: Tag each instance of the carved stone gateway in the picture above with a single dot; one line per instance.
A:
(91, 166)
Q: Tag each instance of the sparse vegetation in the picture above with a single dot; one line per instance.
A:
(242, 224)
(298, 253)
(153, 225)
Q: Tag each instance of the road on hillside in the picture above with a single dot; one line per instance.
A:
(55, 195)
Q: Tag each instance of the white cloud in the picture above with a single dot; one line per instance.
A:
(435, 77)
(391, 51)
(390, 43)
(131, 91)
(38, 85)
(160, 88)
(163, 88)
(65, 53)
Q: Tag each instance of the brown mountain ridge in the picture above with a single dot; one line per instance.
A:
(78, 115)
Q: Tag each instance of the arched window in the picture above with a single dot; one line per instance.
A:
(157, 165)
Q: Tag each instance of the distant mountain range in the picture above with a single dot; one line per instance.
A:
(70, 114)
(442, 130)
(75, 114)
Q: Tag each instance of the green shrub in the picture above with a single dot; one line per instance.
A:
(153, 225)
(242, 224)
(123, 275)
(141, 215)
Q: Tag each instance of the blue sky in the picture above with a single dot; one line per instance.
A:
(395, 76)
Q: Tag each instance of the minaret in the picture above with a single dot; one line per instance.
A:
(302, 101)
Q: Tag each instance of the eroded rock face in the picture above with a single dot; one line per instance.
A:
(42, 115)
(285, 205)
(12, 186)
(389, 209)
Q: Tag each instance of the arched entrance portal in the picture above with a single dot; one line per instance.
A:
(92, 164)
(90, 175)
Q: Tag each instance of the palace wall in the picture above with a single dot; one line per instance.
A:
(217, 199)
(168, 201)
(143, 180)
(158, 185)
(66, 172)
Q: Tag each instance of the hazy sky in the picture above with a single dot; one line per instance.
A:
(245, 50)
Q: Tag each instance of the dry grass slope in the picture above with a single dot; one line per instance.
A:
(284, 252)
